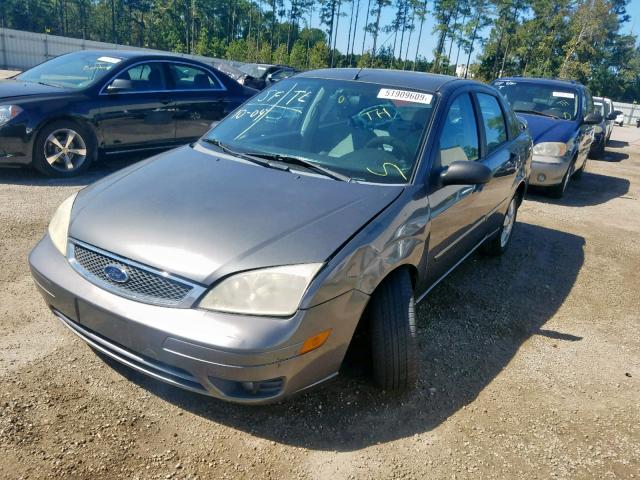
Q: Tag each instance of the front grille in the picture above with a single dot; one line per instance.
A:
(143, 284)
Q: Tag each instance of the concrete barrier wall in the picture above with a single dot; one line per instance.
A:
(631, 112)
(21, 50)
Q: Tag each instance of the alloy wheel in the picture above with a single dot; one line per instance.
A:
(65, 150)
(507, 224)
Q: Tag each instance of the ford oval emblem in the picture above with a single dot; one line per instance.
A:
(116, 273)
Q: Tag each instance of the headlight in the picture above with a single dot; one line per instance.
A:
(59, 225)
(7, 112)
(550, 149)
(273, 291)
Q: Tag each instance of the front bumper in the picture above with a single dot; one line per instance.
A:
(548, 173)
(207, 352)
(15, 143)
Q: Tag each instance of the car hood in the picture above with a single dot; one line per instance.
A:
(203, 215)
(545, 129)
(16, 88)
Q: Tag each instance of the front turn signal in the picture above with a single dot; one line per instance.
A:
(314, 342)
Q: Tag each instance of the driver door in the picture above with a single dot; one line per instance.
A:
(457, 216)
(141, 117)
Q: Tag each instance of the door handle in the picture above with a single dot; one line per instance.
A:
(165, 100)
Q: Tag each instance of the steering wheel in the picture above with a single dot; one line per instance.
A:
(400, 151)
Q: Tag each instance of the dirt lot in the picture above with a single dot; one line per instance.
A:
(531, 366)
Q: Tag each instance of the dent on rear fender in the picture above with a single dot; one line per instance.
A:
(375, 252)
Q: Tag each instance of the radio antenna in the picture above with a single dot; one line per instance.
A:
(358, 74)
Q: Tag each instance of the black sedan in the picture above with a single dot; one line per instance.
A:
(262, 75)
(60, 115)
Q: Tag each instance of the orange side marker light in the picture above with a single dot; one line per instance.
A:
(314, 342)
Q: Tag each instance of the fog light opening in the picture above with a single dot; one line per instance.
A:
(542, 177)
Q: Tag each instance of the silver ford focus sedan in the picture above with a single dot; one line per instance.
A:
(240, 266)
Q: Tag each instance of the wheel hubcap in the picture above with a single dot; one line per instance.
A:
(65, 150)
(507, 224)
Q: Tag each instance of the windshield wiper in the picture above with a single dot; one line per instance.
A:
(303, 163)
(535, 112)
(244, 156)
(50, 84)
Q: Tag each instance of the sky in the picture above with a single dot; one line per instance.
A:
(429, 39)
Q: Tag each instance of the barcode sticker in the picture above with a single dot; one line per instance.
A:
(109, 59)
(564, 94)
(405, 95)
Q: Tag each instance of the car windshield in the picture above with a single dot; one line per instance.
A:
(600, 107)
(367, 132)
(255, 71)
(76, 70)
(547, 100)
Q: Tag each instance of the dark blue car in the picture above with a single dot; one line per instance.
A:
(561, 118)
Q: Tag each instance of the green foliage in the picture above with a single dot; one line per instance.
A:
(578, 39)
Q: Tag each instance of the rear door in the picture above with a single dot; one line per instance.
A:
(500, 153)
(140, 117)
(200, 98)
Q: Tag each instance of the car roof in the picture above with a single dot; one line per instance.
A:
(138, 54)
(399, 78)
(544, 81)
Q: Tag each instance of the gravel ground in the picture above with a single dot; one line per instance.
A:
(531, 366)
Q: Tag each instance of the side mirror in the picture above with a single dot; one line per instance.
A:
(594, 118)
(618, 112)
(465, 173)
(612, 116)
(120, 85)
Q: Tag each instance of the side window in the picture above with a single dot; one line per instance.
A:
(145, 77)
(459, 137)
(280, 74)
(493, 120)
(186, 77)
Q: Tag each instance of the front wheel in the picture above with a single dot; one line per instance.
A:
(63, 149)
(557, 191)
(499, 243)
(393, 333)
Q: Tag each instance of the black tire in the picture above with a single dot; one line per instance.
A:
(82, 140)
(393, 333)
(557, 191)
(498, 244)
(598, 152)
(578, 173)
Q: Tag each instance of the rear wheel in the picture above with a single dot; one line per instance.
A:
(393, 333)
(499, 243)
(598, 152)
(63, 149)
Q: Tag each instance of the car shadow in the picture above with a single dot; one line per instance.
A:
(591, 189)
(611, 157)
(617, 143)
(470, 327)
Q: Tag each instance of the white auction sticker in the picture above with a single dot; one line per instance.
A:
(109, 59)
(406, 95)
(564, 94)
